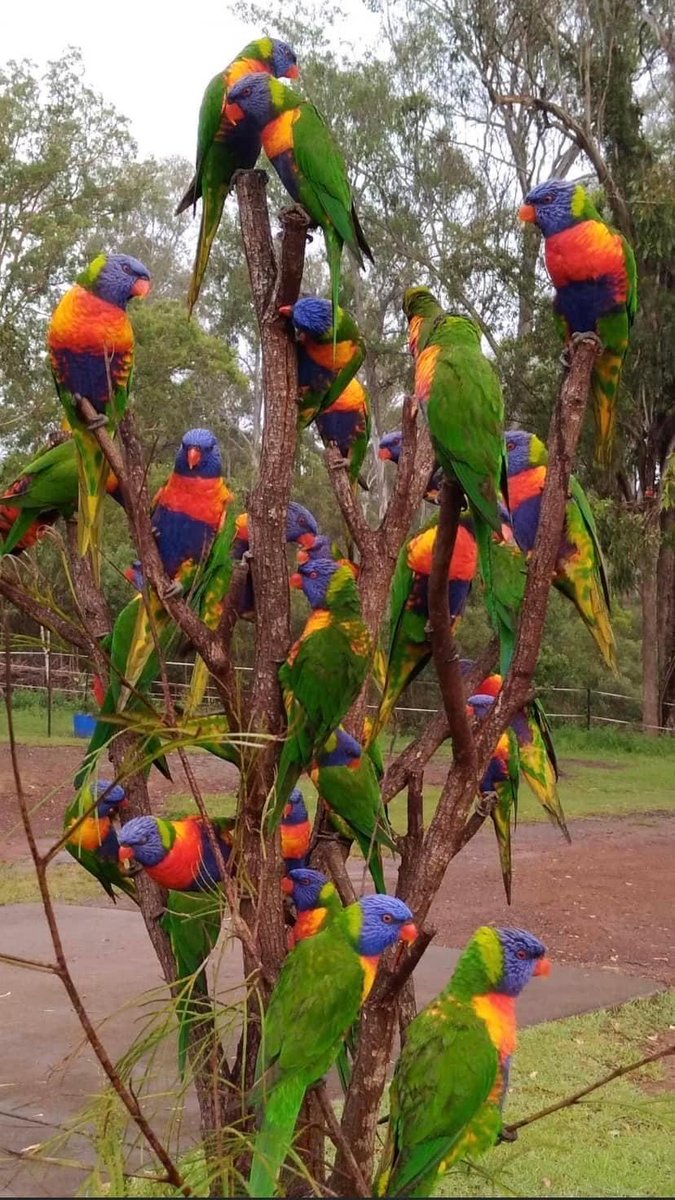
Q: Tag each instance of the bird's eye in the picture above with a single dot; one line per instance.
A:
(547, 199)
(313, 574)
(127, 269)
(387, 918)
(246, 92)
(521, 954)
(510, 445)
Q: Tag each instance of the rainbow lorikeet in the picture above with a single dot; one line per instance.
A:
(347, 424)
(223, 148)
(325, 669)
(460, 392)
(450, 1081)
(187, 514)
(580, 570)
(91, 347)
(389, 450)
(307, 160)
(409, 645)
(323, 547)
(93, 842)
(500, 780)
(214, 584)
(319, 993)
(593, 270)
(346, 780)
(536, 752)
(301, 529)
(330, 352)
(315, 899)
(45, 490)
(296, 832)
(179, 856)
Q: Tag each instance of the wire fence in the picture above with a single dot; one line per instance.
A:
(52, 680)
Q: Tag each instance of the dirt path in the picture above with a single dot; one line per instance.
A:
(607, 900)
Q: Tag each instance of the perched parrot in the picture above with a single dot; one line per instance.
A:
(450, 1081)
(329, 353)
(188, 512)
(319, 993)
(296, 832)
(347, 423)
(409, 645)
(301, 529)
(91, 347)
(214, 584)
(325, 669)
(223, 148)
(536, 752)
(580, 570)
(45, 490)
(500, 780)
(462, 397)
(308, 162)
(315, 899)
(177, 854)
(504, 598)
(389, 450)
(345, 778)
(93, 843)
(593, 271)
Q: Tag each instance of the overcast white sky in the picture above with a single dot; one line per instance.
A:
(151, 59)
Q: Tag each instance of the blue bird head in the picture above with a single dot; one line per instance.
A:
(314, 578)
(518, 450)
(284, 60)
(306, 887)
(551, 206)
(301, 526)
(481, 704)
(312, 316)
(295, 809)
(116, 278)
(199, 455)
(111, 797)
(135, 575)
(341, 750)
(385, 921)
(140, 838)
(524, 956)
(252, 97)
(389, 448)
(321, 547)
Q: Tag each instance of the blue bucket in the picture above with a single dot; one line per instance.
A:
(83, 724)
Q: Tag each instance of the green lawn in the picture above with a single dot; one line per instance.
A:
(30, 726)
(618, 1142)
(68, 884)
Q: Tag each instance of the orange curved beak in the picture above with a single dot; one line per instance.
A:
(307, 540)
(293, 72)
(527, 212)
(384, 454)
(303, 556)
(543, 967)
(287, 886)
(194, 457)
(409, 932)
(234, 113)
(354, 764)
(125, 854)
(141, 287)
(286, 310)
(296, 580)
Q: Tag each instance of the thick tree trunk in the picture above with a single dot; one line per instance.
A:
(665, 582)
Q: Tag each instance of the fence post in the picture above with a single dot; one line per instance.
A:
(588, 708)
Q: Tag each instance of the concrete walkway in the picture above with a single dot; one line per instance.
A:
(46, 1074)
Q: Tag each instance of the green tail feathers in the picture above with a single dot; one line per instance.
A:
(604, 388)
(193, 924)
(275, 1138)
(213, 201)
